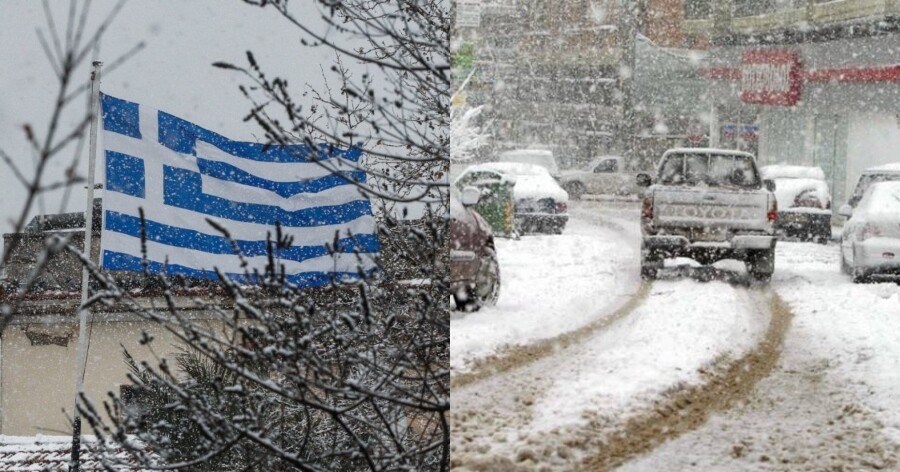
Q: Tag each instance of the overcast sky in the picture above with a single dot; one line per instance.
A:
(172, 73)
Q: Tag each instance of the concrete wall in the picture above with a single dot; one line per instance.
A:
(37, 381)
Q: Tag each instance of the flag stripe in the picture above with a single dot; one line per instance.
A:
(181, 136)
(277, 171)
(183, 189)
(333, 196)
(228, 172)
(134, 264)
(340, 262)
(190, 239)
(238, 229)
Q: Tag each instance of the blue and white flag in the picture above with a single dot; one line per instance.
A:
(182, 175)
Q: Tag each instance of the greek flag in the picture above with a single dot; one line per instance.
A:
(182, 175)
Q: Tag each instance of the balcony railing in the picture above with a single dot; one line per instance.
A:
(813, 13)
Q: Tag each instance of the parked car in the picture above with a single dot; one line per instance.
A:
(804, 201)
(602, 176)
(541, 205)
(870, 241)
(540, 157)
(883, 173)
(708, 205)
(474, 270)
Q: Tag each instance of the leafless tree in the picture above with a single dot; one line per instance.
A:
(346, 377)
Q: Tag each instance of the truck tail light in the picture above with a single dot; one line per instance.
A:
(561, 207)
(772, 215)
(647, 208)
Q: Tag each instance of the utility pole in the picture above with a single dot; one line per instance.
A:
(629, 15)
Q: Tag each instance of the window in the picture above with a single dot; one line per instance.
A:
(709, 169)
(607, 166)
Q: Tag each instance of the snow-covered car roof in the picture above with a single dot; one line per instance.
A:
(893, 167)
(541, 157)
(531, 181)
(502, 175)
(511, 168)
(781, 171)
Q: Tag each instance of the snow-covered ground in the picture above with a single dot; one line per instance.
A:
(552, 284)
(681, 327)
(833, 402)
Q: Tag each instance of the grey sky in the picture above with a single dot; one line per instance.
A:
(172, 73)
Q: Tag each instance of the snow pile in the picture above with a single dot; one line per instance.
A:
(551, 285)
(854, 326)
(682, 327)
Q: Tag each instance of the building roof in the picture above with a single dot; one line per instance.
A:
(41, 453)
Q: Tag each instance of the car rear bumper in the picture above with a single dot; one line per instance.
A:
(793, 222)
(539, 220)
(678, 246)
(877, 255)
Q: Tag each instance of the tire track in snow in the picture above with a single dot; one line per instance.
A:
(688, 408)
(518, 356)
(501, 423)
(515, 356)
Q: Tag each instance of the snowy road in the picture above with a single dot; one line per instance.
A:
(804, 375)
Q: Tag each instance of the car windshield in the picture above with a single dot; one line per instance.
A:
(714, 170)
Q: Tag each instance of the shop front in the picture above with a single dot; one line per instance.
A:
(833, 104)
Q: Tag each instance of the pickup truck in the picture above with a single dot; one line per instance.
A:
(708, 205)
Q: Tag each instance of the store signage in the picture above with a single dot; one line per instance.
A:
(771, 77)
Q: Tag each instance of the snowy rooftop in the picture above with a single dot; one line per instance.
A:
(892, 167)
(40, 453)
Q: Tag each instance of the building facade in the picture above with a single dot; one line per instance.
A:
(804, 82)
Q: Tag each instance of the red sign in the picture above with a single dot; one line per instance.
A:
(771, 77)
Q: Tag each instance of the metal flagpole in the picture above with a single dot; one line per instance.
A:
(83, 313)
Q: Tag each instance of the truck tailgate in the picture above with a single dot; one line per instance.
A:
(679, 207)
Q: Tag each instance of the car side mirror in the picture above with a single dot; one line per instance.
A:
(644, 180)
(845, 210)
(470, 196)
(770, 184)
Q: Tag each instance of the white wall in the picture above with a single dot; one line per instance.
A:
(873, 139)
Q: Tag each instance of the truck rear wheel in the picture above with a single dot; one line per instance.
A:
(650, 265)
(761, 264)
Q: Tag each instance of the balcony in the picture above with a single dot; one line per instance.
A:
(813, 14)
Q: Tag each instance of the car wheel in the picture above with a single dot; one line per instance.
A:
(575, 190)
(860, 276)
(650, 265)
(487, 283)
(761, 264)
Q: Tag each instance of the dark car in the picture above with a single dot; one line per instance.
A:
(474, 270)
(804, 201)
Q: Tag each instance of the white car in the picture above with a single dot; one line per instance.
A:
(882, 173)
(540, 157)
(804, 201)
(870, 242)
(541, 205)
(602, 176)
